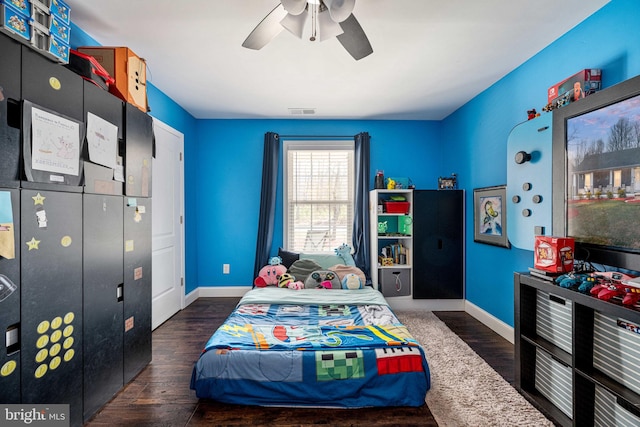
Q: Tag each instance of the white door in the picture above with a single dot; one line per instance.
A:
(167, 224)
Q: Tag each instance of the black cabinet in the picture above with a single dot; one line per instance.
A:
(51, 299)
(576, 357)
(103, 300)
(10, 295)
(138, 152)
(50, 85)
(101, 104)
(137, 286)
(9, 113)
(438, 244)
(74, 310)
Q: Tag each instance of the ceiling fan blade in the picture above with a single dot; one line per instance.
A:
(295, 23)
(266, 30)
(354, 40)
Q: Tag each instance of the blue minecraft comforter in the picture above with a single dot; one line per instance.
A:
(320, 348)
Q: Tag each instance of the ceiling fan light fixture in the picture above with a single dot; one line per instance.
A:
(295, 23)
(340, 9)
(327, 27)
(294, 7)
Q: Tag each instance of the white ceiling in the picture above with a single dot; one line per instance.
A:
(429, 56)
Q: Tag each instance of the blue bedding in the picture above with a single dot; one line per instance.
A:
(320, 348)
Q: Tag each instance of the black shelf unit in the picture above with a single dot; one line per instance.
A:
(603, 380)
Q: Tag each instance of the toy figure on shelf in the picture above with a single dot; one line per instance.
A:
(391, 184)
(532, 114)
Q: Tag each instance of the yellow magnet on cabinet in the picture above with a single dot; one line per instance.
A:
(38, 199)
(66, 241)
(55, 83)
(33, 243)
(8, 368)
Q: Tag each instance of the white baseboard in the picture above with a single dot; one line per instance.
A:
(223, 291)
(497, 325)
(191, 297)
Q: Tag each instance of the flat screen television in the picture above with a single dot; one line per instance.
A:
(596, 175)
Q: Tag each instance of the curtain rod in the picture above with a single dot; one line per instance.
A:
(317, 136)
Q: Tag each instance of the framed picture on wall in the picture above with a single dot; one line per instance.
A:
(490, 216)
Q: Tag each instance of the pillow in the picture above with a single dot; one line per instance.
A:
(322, 279)
(325, 260)
(302, 268)
(352, 281)
(288, 258)
(342, 270)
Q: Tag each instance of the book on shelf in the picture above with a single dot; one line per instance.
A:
(397, 252)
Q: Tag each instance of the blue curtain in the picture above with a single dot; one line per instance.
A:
(361, 235)
(267, 200)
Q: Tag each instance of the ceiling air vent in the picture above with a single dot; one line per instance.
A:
(301, 111)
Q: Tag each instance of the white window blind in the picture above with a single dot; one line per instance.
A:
(319, 191)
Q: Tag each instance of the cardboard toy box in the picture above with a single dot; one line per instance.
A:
(581, 84)
(554, 254)
(128, 70)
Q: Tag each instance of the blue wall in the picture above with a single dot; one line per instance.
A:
(229, 164)
(609, 40)
(223, 158)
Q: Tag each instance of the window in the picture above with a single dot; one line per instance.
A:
(318, 195)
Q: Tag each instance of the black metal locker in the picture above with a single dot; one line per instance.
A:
(438, 244)
(137, 286)
(51, 85)
(99, 178)
(138, 152)
(10, 295)
(103, 307)
(9, 112)
(51, 294)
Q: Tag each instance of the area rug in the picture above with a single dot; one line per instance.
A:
(465, 390)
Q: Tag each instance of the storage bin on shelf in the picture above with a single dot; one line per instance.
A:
(22, 6)
(610, 410)
(396, 207)
(14, 21)
(61, 10)
(553, 380)
(615, 346)
(554, 323)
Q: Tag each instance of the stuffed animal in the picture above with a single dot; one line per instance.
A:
(351, 281)
(322, 279)
(344, 252)
(288, 281)
(269, 275)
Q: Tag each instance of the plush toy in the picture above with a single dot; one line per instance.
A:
(288, 281)
(344, 252)
(351, 281)
(322, 279)
(269, 275)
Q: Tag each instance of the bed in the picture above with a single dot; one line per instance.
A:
(312, 347)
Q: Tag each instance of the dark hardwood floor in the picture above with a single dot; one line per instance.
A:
(160, 395)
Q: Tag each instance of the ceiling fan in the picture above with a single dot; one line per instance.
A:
(329, 18)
